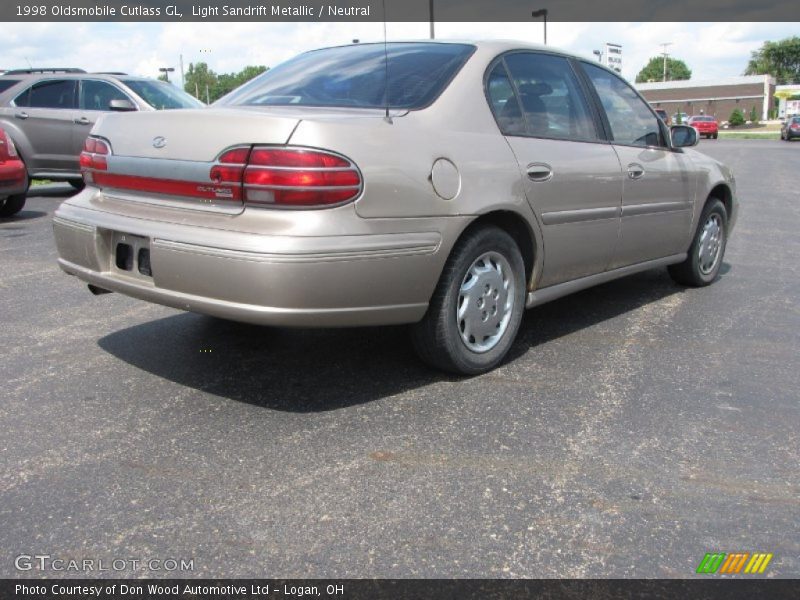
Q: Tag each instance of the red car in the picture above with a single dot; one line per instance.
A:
(706, 126)
(13, 177)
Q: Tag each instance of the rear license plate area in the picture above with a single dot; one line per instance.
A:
(131, 254)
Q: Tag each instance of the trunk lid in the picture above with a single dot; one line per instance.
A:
(166, 157)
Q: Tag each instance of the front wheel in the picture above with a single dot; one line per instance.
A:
(704, 261)
(477, 307)
(11, 205)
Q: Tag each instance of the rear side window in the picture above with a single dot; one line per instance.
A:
(97, 95)
(504, 101)
(553, 105)
(7, 83)
(356, 76)
(53, 93)
(629, 116)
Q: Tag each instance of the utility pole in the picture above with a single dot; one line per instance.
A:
(183, 78)
(664, 52)
(433, 34)
(542, 12)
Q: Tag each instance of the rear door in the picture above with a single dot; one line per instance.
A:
(659, 189)
(45, 111)
(572, 178)
(94, 97)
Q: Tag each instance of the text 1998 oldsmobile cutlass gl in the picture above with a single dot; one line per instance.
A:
(445, 185)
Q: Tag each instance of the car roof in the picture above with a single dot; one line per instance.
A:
(491, 45)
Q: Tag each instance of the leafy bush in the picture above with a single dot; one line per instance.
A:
(753, 115)
(736, 118)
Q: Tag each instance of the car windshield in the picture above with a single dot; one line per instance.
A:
(356, 76)
(702, 119)
(161, 95)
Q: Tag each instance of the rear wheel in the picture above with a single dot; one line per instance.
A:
(78, 184)
(716, 135)
(11, 205)
(704, 261)
(477, 307)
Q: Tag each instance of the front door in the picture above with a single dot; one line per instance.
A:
(659, 188)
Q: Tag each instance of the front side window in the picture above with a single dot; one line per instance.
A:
(553, 104)
(401, 75)
(632, 123)
(53, 93)
(162, 95)
(97, 95)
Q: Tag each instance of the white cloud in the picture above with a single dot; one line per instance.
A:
(710, 49)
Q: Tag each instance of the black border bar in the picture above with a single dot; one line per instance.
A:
(401, 589)
(397, 10)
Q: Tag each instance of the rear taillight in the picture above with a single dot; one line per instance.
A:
(259, 175)
(7, 148)
(93, 157)
(299, 177)
(794, 126)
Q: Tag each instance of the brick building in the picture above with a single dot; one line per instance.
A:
(715, 97)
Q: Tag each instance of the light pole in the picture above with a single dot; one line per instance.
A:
(598, 54)
(542, 12)
(664, 52)
(166, 71)
(433, 34)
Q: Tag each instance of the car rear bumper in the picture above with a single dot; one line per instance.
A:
(317, 281)
(12, 178)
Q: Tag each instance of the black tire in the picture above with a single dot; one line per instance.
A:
(438, 337)
(78, 184)
(691, 271)
(11, 205)
(716, 135)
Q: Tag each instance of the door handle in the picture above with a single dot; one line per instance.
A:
(21, 115)
(82, 121)
(635, 171)
(539, 172)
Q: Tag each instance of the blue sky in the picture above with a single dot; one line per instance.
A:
(710, 49)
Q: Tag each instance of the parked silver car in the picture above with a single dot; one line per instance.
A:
(477, 180)
(49, 112)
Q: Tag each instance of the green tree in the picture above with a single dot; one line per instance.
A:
(208, 86)
(753, 115)
(163, 77)
(199, 80)
(780, 59)
(736, 118)
(654, 70)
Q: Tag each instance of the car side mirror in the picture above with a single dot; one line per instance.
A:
(684, 136)
(121, 105)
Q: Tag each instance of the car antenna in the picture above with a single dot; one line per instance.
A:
(386, 65)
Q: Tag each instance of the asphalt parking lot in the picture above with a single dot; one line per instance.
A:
(636, 426)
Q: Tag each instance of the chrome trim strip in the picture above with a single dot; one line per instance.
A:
(73, 224)
(301, 188)
(159, 168)
(559, 217)
(632, 210)
(537, 297)
(382, 247)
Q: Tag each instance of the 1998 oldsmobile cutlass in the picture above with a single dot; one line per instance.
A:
(446, 185)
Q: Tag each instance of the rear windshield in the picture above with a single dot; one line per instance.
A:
(7, 83)
(357, 76)
(161, 95)
(703, 119)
